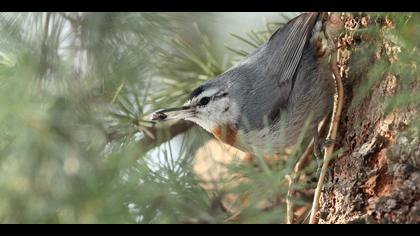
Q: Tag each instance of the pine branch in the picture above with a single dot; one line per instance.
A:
(158, 135)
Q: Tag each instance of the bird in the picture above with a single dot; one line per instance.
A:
(270, 98)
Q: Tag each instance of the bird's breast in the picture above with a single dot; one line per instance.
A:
(265, 141)
(225, 133)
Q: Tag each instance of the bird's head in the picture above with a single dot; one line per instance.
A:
(209, 106)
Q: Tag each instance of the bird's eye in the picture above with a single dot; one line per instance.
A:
(204, 101)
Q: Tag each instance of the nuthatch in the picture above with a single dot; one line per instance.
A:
(262, 104)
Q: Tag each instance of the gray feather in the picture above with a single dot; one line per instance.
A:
(285, 49)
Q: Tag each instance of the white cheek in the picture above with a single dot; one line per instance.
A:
(208, 118)
(231, 115)
(213, 116)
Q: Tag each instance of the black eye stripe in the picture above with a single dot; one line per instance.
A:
(197, 92)
(205, 100)
(220, 96)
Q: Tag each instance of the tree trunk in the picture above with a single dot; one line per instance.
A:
(375, 177)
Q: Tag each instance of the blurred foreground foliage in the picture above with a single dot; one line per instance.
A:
(75, 93)
(67, 82)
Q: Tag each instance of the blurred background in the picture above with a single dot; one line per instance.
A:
(76, 141)
(77, 90)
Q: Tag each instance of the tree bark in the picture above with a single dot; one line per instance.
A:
(375, 178)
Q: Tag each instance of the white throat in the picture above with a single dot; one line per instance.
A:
(222, 113)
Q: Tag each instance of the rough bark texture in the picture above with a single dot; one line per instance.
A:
(375, 178)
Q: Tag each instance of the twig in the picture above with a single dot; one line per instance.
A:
(298, 167)
(154, 136)
(162, 134)
(332, 134)
(292, 179)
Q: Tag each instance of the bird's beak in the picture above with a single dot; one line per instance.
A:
(176, 113)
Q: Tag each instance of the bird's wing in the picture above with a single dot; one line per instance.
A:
(285, 49)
